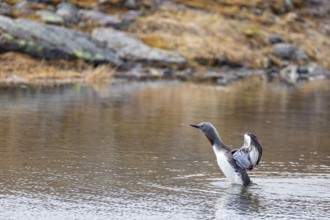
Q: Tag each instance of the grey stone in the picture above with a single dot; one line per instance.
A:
(292, 16)
(312, 71)
(132, 49)
(131, 4)
(22, 7)
(50, 17)
(4, 9)
(99, 18)
(316, 71)
(52, 42)
(275, 39)
(289, 51)
(68, 12)
(227, 79)
(131, 15)
(257, 11)
(289, 74)
(317, 8)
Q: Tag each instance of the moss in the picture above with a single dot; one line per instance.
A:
(99, 57)
(30, 43)
(21, 43)
(39, 49)
(82, 54)
(8, 37)
(53, 20)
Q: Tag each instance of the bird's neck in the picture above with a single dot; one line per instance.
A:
(216, 141)
(221, 146)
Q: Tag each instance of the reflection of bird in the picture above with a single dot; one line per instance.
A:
(237, 202)
(233, 163)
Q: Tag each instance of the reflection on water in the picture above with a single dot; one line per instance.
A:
(125, 151)
(235, 201)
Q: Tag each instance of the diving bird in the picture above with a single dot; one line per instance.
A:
(233, 163)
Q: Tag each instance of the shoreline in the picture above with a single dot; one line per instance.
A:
(57, 42)
(21, 70)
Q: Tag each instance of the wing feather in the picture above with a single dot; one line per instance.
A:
(249, 155)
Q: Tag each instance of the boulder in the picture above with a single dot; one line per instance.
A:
(52, 42)
(289, 51)
(132, 49)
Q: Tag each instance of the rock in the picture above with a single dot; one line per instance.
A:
(316, 69)
(68, 12)
(132, 49)
(293, 73)
(300, 54)
(225, 62)
(52, 42)
(4, 9)
(284, 50)
(22, 8)
(290, 4)
(289, 74)
(50, 17)
(227, 79)
(257, 11)
(131, 4)
(289, 51)
(313, 71)
(272, 74)
(291, 16)
(317, 8)
(131, 15)
(99, 18)
(213, 76)
(275, 39)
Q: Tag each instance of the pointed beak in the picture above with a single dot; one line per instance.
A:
(195, 126)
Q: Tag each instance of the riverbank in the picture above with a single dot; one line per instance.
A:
(79, 41)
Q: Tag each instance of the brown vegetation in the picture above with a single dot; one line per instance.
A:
(232, 30)
(19, 68)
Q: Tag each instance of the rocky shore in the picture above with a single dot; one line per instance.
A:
(215, 41)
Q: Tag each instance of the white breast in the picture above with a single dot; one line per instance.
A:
(226, 167)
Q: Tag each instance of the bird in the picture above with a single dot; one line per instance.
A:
(233, 163)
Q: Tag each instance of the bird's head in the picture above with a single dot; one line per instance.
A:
(208, 129)
(203, 126)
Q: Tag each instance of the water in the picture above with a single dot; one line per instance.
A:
(126, 151)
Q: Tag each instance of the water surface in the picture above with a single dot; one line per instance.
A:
(126, 151)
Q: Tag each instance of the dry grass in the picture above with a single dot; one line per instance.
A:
(16, 68)
(201, 36)
(101, 73)
(207, 36)
(229, 7)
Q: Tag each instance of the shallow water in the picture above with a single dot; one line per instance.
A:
(126, 151)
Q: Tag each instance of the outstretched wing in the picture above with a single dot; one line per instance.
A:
(249, 155)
